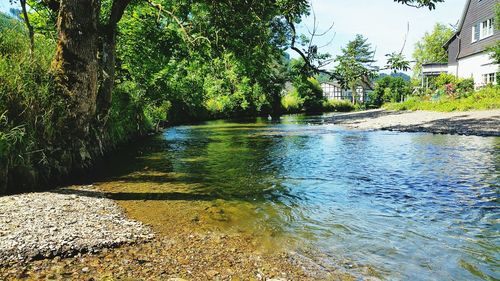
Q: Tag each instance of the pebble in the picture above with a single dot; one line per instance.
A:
(43, 225)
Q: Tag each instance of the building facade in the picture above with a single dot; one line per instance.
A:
(333, 91)
(467, 49)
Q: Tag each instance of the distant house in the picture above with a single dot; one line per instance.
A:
(467, 55)
(333, 91)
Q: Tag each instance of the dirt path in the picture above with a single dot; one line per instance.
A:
(479, 123)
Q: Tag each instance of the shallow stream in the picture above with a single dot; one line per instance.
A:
(409, 206)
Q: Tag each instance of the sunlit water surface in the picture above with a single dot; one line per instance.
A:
(413, 206)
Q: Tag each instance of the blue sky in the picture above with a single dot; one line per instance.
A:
(383, 22)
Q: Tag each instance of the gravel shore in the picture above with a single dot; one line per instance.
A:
(62, 222)
(77, 233)
(479, 123)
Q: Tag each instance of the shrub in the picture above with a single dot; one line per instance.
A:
(389, 89)
(338, 105)
(444, 79)
(465, 86)
(310, 92)
(486, 98)
(292, 102)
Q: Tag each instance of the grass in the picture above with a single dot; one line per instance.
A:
(484, 99)
(338, 105)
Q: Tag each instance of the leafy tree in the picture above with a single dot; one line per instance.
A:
(389, 89)
(120, 65)
(430, 48)
(355, 64)
(307, 88)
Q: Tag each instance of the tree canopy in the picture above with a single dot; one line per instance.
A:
(355, 64)
(430, 48)
(97, 73)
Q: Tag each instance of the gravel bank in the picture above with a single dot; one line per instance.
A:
(479, 123)
(62, 222)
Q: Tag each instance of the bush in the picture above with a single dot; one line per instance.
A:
(486, 98)
(338, 105)
(465, 86)
(292, 102)
(444, 79)
(310, 92)
(389, 89)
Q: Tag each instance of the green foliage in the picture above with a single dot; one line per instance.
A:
(292, 102)
(29, 111)
(430, 48)
(308, 88)
(397, 61)
(355, 64)
(338, 106)
(451, 85)
(445, 78)
(127, 117)
(486, 98)
(389, 89)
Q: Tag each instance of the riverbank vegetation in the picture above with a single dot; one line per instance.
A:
(486, 98)
(80, 78)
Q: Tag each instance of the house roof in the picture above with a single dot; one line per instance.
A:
(460, 24)
(464, 13)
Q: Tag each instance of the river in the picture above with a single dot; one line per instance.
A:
(408, 206)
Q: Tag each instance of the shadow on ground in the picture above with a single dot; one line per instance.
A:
(459, 125)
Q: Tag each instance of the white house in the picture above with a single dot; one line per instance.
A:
(333, 91)
(467, 55)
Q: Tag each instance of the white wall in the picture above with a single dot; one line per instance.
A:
(453, 69)
(475, 66)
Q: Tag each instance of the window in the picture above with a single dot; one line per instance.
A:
(475, 33)
(487, 28)
(489, 78)
(483, 30)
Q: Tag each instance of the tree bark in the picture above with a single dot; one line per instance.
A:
(354, 94)
(108, 58)
(75, 64)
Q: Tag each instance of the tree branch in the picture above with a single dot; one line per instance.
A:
(187, 37)
(30, 28)
(117, 10)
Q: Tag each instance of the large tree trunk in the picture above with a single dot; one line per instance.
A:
(76, 65)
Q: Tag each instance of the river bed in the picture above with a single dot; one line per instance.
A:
(294, 199)
(399, 206)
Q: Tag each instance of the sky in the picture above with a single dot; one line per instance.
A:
(383, 22)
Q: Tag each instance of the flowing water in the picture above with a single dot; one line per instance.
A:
(412, 206)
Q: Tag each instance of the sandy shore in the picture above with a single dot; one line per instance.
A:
(479, 123)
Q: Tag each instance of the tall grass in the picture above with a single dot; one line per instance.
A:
(34, 145)
(28, 108)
